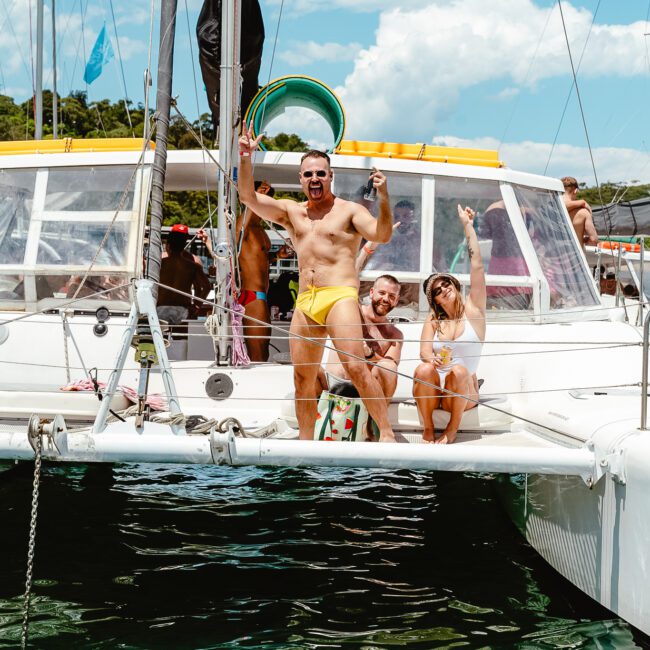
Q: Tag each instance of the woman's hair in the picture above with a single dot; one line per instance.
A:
(437, 312)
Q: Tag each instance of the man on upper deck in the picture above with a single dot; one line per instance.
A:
(326, 232)
(580, 212)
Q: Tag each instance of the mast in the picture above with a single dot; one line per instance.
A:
(38, 103)
(55, 99)
(229, 92)
(163, 102)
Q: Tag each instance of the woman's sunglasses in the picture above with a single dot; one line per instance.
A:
(321, 173)
(439, 289)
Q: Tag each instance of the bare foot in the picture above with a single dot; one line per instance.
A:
(446, 438)
(389, 436)
(428, 435)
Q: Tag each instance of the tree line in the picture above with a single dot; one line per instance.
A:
(78, 118)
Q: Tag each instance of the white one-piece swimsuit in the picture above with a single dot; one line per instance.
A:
(465, 351)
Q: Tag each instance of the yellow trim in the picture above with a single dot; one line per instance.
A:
(70, 145)
(429, 153)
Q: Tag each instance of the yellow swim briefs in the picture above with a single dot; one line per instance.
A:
(317, 302)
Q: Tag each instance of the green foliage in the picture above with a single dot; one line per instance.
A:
(610, 191)
(104, 119)
(285, 142)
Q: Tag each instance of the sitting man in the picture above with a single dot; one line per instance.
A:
(580, 213)
(179, 270)
(383, 341)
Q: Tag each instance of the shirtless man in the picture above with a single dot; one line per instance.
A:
(580, 212)
(253, 245)
(179, 270)
(383, 345)
(326, 232)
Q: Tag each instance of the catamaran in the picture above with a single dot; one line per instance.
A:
(563, 405)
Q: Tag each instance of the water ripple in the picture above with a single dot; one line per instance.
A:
(213, 557)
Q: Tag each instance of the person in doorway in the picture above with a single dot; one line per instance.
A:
(253, 246)
(326, 232)
(580, 213)
(179, 270)
(451, 342)
(383, 342)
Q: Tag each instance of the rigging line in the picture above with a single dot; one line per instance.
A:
(99, 116)
(193, 133)
(119, 207)
(530, 66)
(146, 118)
(198, 117)
(79, 43)
(13, 33)
(275, 43)
(445, 391)
(119, 56)
(65, 304)
(31, 56)
(397, 400)
(573, 83)
(83, 34)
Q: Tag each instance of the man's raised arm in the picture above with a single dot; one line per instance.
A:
(378, 230)
(264, 206)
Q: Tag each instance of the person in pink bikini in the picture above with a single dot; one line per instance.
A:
(459, 326)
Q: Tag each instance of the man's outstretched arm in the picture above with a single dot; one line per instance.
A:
(266, 207)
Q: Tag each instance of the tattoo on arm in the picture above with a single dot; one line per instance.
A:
(470, 252)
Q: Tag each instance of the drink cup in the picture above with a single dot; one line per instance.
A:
(445, 354)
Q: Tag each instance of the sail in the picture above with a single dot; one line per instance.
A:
(208, 34)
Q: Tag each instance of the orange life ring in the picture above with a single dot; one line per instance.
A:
(615, 245)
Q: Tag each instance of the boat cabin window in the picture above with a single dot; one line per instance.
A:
(56, 223)
(556, 247)
(90, 190)
(505, 267)
(402, 253)
(16, 198)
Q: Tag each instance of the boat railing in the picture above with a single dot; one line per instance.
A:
(644, 375)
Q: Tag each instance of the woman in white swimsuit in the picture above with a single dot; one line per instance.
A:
(460, 327)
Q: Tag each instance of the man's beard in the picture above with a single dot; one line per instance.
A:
(379, 308)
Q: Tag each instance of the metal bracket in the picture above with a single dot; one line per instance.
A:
(222, 446)
(54, 433)
(614, 464)
(609, 461)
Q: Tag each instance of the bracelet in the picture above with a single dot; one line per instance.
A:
(244, 154)
(367, 250)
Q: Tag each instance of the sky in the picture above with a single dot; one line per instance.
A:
(480, 73)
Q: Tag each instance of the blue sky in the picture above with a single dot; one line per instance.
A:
(491, 73)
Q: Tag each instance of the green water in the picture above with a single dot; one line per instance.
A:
(209, 557)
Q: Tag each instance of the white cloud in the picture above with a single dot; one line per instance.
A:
(359, 6)
(507, 93)
(612, 163)
(307, 52)
(311, 127)
(424, 58)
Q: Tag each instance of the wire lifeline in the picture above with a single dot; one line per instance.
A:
(444, 391)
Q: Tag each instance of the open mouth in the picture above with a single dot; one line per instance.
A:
(315, 190)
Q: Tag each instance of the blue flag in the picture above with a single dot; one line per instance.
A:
(102, 53)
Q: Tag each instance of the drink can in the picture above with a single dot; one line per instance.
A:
(445, 354)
